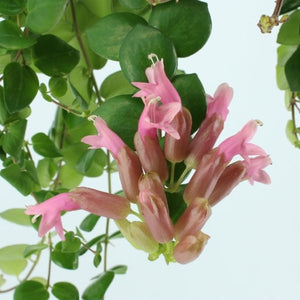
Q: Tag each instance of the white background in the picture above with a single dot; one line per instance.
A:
(254, 250)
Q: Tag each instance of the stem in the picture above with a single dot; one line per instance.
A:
(49, 262)
(293, 105)
(68, 109)
(174, 188)
(84, 53)
(172, 175)
(277, 8)
(107, 220)
(29, 272)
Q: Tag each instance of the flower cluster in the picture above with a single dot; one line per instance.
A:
(147, 174)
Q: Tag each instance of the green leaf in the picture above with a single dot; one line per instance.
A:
(289, 5)
(134, 4)
(66, 260)
(46, 169)
(176, 205)
(65, 291)
(12, 37)
(97, 259)
(195, 24)
(16, 215)
(4, 114)
(106, 36)
(139, 43)
(20, 86)
(32, 249)
(44, 15)
(12, 261)
(18, 178)
(44, 146)
(53, 56)
(31, 290)
(12, 141)
(292, 71)
(92, 242)
(98, 8)
(291, 134)
(58, 86)
(71, 244)
(283, 55)
(89, 222)
(12, 7)
(116, 235)
(98, 288)
(69, 178)
(31, 171)
(121, 114)
(193, 97)
(116, 84)
(289, 31)
(120, 269)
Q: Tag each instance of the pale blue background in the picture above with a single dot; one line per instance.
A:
(254, 250)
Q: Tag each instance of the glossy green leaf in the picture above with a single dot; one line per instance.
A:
(31, 290)
(53, 56)
(97, 260)
(44, 15)
(71, 244)
(292, 71)
(12, 261)
(12, 37)
(122, 114)
(32, 249)
(134, 4)
(187, 23)
(69, 178)
(106, 36)
(139, 43)
(18, 178)
(193, 97)
(97, 289)
(12, 141)
(44, 146)
(99, 8)
(12, 7)
(4, 114)
(66, 260)
(58, 86)
(289, 5)
(120, 269)
(31, 170)
(16, 215)
(92, 162)
(89, 222)
(20, 86)
(283, 55)
(289, 31)
(46, 170)
(65, 291)
(116, 84)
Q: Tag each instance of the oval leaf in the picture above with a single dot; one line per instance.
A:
(139, 43)
(89, 222)
(44, 146)
(195, 24)
(20, 86)
(31, 290)
(65, 291)
(105, 37)
(16, 215)
(292, 71)
(289, 31)
(66, 260)
(53, 56)
(12, 7)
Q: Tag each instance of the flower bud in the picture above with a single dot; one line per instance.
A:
(193, 219)
(190, 247)
(204, 139)
(205, 177)
(176, 149)
(130, 171)
(138, 235)
(229, 179)
(100, 203)
(151, 156)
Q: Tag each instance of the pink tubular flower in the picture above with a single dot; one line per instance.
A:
(190, 247)
(155, 116)
(96, 202)
(254, 170)
(159, 85)
(105, 137)
(239, 143)
(50, 211)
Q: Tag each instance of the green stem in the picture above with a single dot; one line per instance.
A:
(172, 175)
(174, 188)
(84, 53)
(68, 109)
(293, 105)
(49, 262)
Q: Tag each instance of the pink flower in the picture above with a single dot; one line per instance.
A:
(105, 137)
(254, 170)
(220, 102)
(50, 211)
(159, 85)
(155, 116)
(239, 143)
(96, 202)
